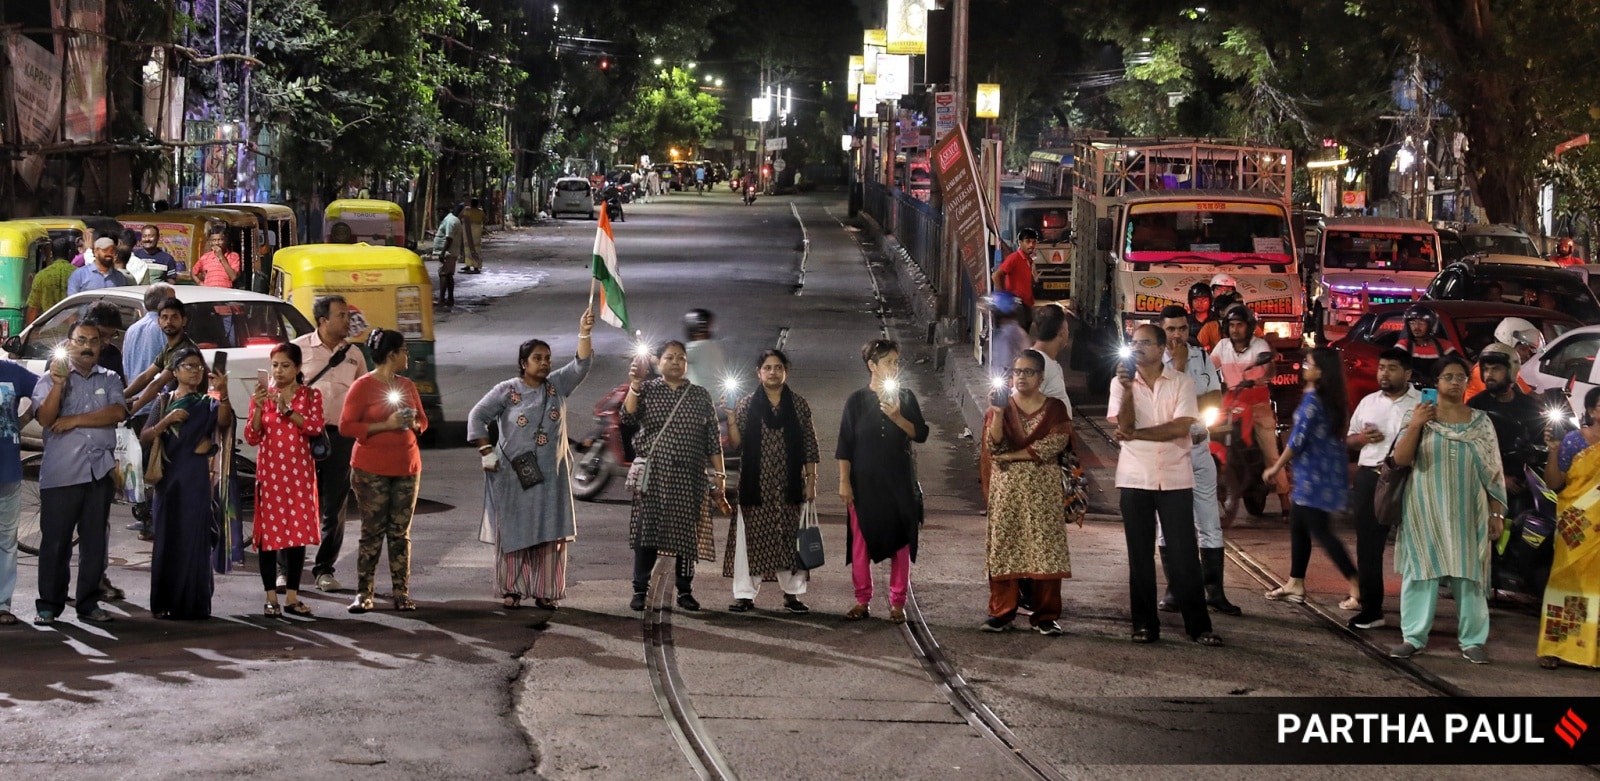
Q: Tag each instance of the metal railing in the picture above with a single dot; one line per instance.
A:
(919, 229)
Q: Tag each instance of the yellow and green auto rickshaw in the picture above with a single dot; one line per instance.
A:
(276, 227)
(352, 220)
(386, 287)
(24, 249)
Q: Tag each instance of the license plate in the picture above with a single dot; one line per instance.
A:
(1057, 285)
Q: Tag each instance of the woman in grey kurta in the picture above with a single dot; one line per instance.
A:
(530, 527)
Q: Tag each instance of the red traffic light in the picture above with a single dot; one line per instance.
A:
(605, 64)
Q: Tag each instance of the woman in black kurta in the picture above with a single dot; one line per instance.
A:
(879, 425)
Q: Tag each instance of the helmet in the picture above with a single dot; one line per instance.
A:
(1225, 301)
(1027, 233)
(1420, 312)
(1501, 354)
(1003, 303)
(1514, 331)
(697, 322)
(1199, 290)
(1224, 280)
(1564, 246)
(1242, 314)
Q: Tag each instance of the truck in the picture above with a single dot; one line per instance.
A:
(1154, 216)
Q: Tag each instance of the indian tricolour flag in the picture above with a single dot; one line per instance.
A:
(604, 266)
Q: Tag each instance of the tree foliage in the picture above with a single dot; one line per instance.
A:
(668, 111)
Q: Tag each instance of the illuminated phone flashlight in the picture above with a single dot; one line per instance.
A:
(997, 382)
(395, 398)
(59, 354)
(730, 385)
(1555, 414)
(1125, 352)
(641, 349)
(891, 385)
(1209, 416)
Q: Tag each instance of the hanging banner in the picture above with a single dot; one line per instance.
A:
(869, 70)
(857, 66)
(35, 88)
(964, 206)
(867, 107)
(85, 120)
(907, 32)
(894, 76)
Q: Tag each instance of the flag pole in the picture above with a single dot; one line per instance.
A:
(593, 283)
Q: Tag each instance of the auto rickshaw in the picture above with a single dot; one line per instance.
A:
(352, 220)
(183, 236)
(386, 287)
(276, 228)
(77, 227)
(24, 249)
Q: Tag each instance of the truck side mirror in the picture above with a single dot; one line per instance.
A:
(12, 345)
(1103, 230)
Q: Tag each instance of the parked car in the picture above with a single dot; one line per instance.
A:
(1468, 326)
(1458, 241)
(572, 194)
(244, 324)
(1568, 358)
(1521, 279)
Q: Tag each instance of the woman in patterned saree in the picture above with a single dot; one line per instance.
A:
(1027, 509)
(1453, 509)
(1568, 623)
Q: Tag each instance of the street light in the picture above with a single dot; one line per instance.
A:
(658, 60)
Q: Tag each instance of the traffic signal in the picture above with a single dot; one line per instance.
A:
(605, 63)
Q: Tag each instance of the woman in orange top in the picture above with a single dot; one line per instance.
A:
(383, 414)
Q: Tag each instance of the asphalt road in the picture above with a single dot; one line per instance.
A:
(465, 688)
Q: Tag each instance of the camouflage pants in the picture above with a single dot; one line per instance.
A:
(386, 504)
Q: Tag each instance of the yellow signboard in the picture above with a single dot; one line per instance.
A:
(857, 65)
(988, 102)
(878, 38)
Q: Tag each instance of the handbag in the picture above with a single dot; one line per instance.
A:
(155, 464)
(638, 479)
(1389, 497)
(528, 472)
(808, 539)
(321, 445)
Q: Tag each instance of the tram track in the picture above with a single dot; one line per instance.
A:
(661, 659)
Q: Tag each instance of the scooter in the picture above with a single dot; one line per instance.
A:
(749, 194)
(608, 451)
(613, 201)
(1240, 460)
(1520, 560)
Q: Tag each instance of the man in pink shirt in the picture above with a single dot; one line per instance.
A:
(218, 267)
(1153, 407)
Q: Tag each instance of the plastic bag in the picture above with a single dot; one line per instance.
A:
(129, 474)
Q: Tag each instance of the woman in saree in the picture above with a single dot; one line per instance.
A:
(187, 427)
(1453, 508)
(1568, 623)
(1027, 510)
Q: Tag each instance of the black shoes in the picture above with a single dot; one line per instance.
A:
(742, 606)
(1212, 566)
(994, 624)
(637, 603)
(688, 602)
(1050, 629)
(1366, 620)
(793, 604)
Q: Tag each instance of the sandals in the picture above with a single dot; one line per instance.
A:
(512, 601)
(897, 615)
(1280, 594)
(1143, 636)
(857, 613)
(271, 610)
(545, 604)
(1350, 604)
(1207, 639)
(362, 603)
(7, 619)
(298, 608)
(404, 602)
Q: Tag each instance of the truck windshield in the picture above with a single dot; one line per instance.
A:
(1501, 245)
(1053, 224)
(1380, 251)
(1218, 231)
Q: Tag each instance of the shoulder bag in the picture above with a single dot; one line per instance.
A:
(808, 540)
(1389, 498)
(155, 465)
(526, 463)
(321, 446)
(639, 471)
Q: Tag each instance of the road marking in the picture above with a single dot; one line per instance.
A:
(805, 249)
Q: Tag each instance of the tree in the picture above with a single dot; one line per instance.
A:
(670, 112)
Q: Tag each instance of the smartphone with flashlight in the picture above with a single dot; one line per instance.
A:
(262, 378)
(1126, 361)
(1430, 395)
(1000, 393)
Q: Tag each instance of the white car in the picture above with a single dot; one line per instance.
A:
(572, 194)
(1569, 358)
(243, 324)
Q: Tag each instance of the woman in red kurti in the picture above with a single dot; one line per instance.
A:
(283, 418)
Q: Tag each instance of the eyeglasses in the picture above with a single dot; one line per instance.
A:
(82, 342)
(191, 367)
(1141, 343)
(1452, 378)
(1025, 372)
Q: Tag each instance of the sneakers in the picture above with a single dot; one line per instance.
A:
(688, 602)
(994, 624)
(793, 604)
(1365, 621)
(326, 582)
(1050, 629)
(1403, 651)
(1475, 654)
(742, 606)
(637, 603)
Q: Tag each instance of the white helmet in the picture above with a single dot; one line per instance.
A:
(1224, 280)
(1514, 331)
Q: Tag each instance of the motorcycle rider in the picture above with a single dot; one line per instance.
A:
(708, 366)
(1235, 358)
(1181, 355)
(1564, 253)
(1224, 294)
(1507, 405)
(1200, 311)
(1422, 341)
(1524, 339)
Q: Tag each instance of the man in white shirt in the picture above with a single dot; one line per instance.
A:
(1235, 358)
(1153, 408)
(1207, 512)
(1049, 338)
(319, 349)
(1373, 428)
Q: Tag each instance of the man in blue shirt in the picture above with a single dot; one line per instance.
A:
(79, 404)
(141, 345)
(16, 382)
(102, 273)
(1184, 355)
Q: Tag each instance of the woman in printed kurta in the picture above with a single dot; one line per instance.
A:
(1027, 508)
(187, 428)
(1321, 477)
(1569, 624)
(1453, 509)
(778, 474)
(530, 527)
(283, 418)
(678, 435)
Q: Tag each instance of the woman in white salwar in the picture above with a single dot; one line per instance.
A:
(528, 511)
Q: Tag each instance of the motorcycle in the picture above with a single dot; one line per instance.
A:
(613, 201)
(749, 194)
(608, 451)
(1240, 460)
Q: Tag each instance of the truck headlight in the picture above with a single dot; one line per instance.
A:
(1282, 329)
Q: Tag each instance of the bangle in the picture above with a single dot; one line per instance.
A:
(583, 336)
(484, 449)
